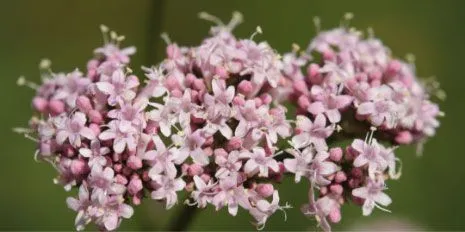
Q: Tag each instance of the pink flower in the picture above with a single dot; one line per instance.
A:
(71, 87)
(95, 153)
(369, 154)
(73, 129)
(329, 104)
(168, 186)
(123, 135)
(231, 195)
(119, 88)
(113, 53)
(373, 195)
(229, 164)
(203, 193)
(163, 159)
(102, 180)
(259, 162)
(314, 132)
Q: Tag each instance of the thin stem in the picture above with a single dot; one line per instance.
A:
(182, 219)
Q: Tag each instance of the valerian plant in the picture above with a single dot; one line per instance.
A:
(210, 119)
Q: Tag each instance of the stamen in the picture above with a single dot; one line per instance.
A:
(346, 19)
(165, 37)
(104, 29)
(236, 19)
(45, 64)
(23, 82)
(258, 30)
(317, 23)
(295, 48)
(370, 32)
(206, 16)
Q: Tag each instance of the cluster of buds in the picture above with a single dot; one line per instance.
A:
(209, 120)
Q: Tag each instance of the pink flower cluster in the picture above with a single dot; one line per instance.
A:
(352, 85)
(209, 120)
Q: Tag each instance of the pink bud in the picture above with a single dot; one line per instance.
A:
(336, 188)
(335, 215)
(176, 93)
(134, 162)
(195, 170)
(340, 177)
(258, 102)
(190, 78)
(205, 177)
(335, 154)
(393, 67)
(266, 98)
(95, 128)
(221, 72)
(314, 75)
(221, 152)
(238, 101)
(134, 186)
(145, 176)
(404, 137)
(234, 143)
(171, 83)
(199, 84)
(245, 87)
(328, 55)
(208, 151)
(265, 190)
(136, 200)
(357, 172)
(56, 106)
(354, 183)
(83, 103)
(68, 150)
(39, 104)
(95, 117)
(300, 86)
(120, 179)
(117, 167)
(303, 102)
(78, 167)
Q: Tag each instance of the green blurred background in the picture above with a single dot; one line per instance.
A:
(429, 196)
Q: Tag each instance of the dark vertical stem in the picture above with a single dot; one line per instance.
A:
(154, 28)
(182, 219)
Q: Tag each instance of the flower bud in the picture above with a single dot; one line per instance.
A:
(95, 117)
(56, 107)
(134, 162)
(245, 87)
(134, 186)
(83, 103)
(265, 190)
(335, 154)
(39, 104)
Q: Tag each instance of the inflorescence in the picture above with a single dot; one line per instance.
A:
(210, 120)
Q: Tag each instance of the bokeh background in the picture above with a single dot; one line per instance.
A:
(429, 196)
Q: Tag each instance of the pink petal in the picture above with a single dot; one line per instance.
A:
(87, 133)
(366, 108)
(333, 115)
(316, 108)
(110, 221)
(105, 87)
(382, 198)
(107, 135)
(304, 123)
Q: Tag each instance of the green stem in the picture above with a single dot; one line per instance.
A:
(182, 219)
